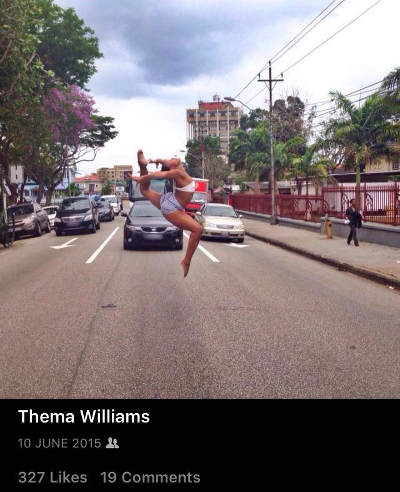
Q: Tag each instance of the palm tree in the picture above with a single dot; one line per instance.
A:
(249, 150)
(391, 82)
(363, 133)
(311, 165)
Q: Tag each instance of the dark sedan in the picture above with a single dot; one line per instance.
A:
(77, 213)
(145, 225)
(106, 210)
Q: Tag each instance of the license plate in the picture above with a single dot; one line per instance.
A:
(154, 237)
(225, 233)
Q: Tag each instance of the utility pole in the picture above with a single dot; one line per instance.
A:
(270, 80)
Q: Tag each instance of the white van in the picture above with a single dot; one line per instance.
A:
(115, 202)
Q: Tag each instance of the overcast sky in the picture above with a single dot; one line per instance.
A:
(161, 57)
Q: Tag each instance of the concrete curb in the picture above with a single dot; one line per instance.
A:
(356, 270)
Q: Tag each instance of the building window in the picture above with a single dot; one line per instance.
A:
(396, 166)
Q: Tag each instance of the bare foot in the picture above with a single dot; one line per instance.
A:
(141, 159)
(185, 266)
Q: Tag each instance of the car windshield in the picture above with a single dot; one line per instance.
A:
(220, 211)
(111, 199)
(103, 203)
(20, 210)
(75, 205)
(141, 209)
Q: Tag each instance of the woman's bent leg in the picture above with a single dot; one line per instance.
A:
(184, 221)
(151, 195)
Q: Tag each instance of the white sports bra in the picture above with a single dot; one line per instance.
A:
(189, 187)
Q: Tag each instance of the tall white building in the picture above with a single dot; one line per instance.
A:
(217, 119)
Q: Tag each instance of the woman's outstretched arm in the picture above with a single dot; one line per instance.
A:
(156, 175)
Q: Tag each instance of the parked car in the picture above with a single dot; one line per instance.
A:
(30, 219)
(115, 202)
(78, 213)
(51, 211)
(145, 225)
(106, 210)
(220, 220)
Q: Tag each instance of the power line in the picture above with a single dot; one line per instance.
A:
(331, 37)
(335, 109)
(312, 28)
(258, 93)
(357, 92)
(356, 95)
(299, 34)
(320, 103)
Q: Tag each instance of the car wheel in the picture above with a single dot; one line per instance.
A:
(126, 244)
(38, 230)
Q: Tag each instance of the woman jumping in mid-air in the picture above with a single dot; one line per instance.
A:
(172, 205)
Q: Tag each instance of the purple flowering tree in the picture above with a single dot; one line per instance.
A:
(75, 134)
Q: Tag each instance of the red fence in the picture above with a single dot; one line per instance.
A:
(309, 208)
(379, 203)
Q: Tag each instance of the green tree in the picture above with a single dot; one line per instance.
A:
(67, 46)
(72, 190)
(207, 149)
(250, 121)
(250, 151)
(106, 188)
(310, 165)
(362, 133)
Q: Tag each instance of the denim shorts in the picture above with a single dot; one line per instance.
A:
(169, 203)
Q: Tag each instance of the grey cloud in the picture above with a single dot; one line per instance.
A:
(170, 42)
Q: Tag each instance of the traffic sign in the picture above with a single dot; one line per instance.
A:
(16, 174)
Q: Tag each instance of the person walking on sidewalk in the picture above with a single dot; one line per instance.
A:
(353, 216)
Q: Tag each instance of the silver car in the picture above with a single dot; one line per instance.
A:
(29, 219)
(221, 221)
(51, 211)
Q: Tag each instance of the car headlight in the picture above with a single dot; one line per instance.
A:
(57, 220)
(172, 228)
(133, 228)
(240, 225)
(87, 218)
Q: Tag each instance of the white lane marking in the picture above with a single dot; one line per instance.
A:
(65, 245)
(238, 245)
(203, 250)
(101, 247)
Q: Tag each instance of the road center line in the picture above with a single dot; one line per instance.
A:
(203, 250)
(101, 247)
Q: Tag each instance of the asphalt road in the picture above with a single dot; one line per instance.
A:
(258, 323)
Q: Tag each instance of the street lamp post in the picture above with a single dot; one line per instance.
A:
(232, 99)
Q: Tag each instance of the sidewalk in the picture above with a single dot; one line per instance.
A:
(373, 261)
